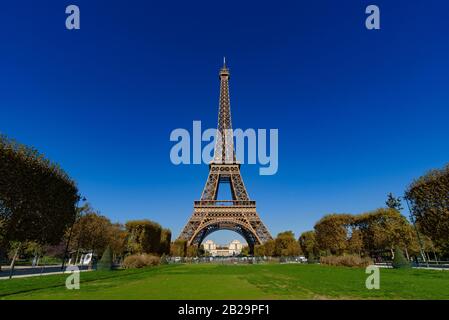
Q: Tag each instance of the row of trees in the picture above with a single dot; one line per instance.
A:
(371, 234)
(93, 232)
(284, 245)
(377, 233)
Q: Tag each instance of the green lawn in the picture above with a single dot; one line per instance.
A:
(209, 281)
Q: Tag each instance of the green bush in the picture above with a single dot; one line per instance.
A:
(346, 261)
(140, 260)
(164, 259)
(399, 261)
(106, 260)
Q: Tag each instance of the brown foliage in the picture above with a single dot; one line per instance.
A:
(332, 232)
(178, 248)
(286, 245)
(383, 229)
(144, 236)
(308, 244)
(164, 246)
(140, 261)
(429, 198)
(91, 232)
(346, 261)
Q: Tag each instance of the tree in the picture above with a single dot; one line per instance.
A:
(91, 232)
(33, 249)
(399, 261)
(355, 242)
(37, 198)
(332, 233)
(259, 250)
(178, 248)
(383, 229)
(286, 245)
(144, 236)
(429, 202)
(192, 251)
(165, 241)
(105, 263)
(245, 251)
(2, 240)
(164, 260)
(309, 245)
(393, 203)
(117, 240)
(269, 248)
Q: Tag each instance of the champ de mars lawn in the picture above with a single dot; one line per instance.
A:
(211, 281)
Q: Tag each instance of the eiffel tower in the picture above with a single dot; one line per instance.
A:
(239, 214)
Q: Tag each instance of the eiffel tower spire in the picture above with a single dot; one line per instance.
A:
(238, 214)
(224, 145)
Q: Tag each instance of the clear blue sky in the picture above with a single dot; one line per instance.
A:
(360, 113)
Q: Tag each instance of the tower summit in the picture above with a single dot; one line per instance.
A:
(211, 214)
(224, 146)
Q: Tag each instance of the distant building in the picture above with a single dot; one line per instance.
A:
(233, 249)
(209, 246)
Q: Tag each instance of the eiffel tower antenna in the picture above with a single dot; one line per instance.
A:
(239, 214)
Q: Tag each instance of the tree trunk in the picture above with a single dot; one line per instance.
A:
(13, 262)
(435, 255)
(77, 255)
(406, 253)
(392, 253)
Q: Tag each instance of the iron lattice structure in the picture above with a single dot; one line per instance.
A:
(238, 214)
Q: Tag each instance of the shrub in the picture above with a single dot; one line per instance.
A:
(399, 261)
(346, 261)
(164, 259)
(140, 261)
(106, 260)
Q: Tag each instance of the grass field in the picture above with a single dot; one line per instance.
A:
(209, 281)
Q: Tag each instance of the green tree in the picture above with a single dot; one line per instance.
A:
(332, 233)
(399, 261)
(245, 251)
(383, 229)
(192, 251)
(165, 241)
(269, 248)
(286, 245)
(393, 202)
(355, 242)
(91, 232)
(309, 245)
(164, 259)
(117, 240)
(106, 260)
(429, 200)
(178, 248)
(37, 198)
(259, 250)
